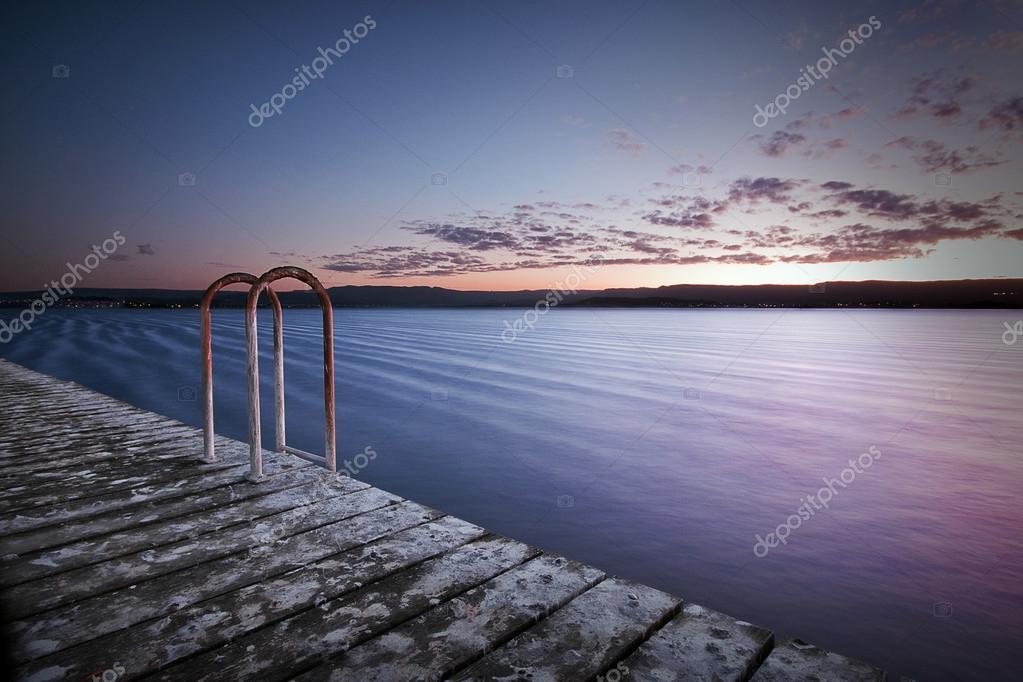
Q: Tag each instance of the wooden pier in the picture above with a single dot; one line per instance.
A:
(123, 556)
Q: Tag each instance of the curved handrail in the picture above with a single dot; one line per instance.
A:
(255, 434)
(206, 347)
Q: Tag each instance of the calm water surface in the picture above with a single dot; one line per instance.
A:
(657, 444)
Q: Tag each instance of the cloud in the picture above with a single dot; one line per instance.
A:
(1005, 41)
(937, 94)
(862, 242)
(933, 156)
(472, 238)
(833, 221)
(1005, 115)
(686, 212)
(772, 190)
(778, 143)
(928, 11)
(685, 169)
(825, 121)
(826, 148)
(935, 215)
(623, 139)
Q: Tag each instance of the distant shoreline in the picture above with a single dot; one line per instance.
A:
(989, 294)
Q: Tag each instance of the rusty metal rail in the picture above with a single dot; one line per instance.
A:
(257, 286)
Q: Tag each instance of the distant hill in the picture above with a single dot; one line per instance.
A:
(970, 293)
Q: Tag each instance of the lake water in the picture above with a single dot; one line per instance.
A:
(657, 444)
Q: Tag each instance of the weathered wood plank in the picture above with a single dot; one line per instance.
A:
(170, 455)
(80, 422)
(797, 660)
(88, 486)
(44, 440)
(217, 621)
(158, 535)
(278, 652)
(585, 638)
(64, 510)
(105, 613)
(63, 588)
(449, 637)
(32, 541)
(700, 644)
(70, 456)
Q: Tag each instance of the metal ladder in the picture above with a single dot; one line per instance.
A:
(257, 286)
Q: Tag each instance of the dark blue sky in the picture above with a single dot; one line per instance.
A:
(447, 146)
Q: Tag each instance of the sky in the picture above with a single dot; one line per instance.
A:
(499, 145)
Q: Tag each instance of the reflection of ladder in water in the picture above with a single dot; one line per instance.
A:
(257, 286)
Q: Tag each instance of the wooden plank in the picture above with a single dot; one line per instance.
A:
(32, 445)
(62, 511)
(700, 644)
(144, 514)
(40, 483)
(72, 455)
(69, 452)
(217, 621)
(63, 588)
(87, 486)
(585, 638)
(112, 611)
(42, 438)
(450, 637)
(157, 535)
(277, 652)
(797, 660)
(83, 415)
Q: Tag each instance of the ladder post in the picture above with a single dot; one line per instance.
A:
(252, 370)
(206, 352)
(281, 440)
(252, 373)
